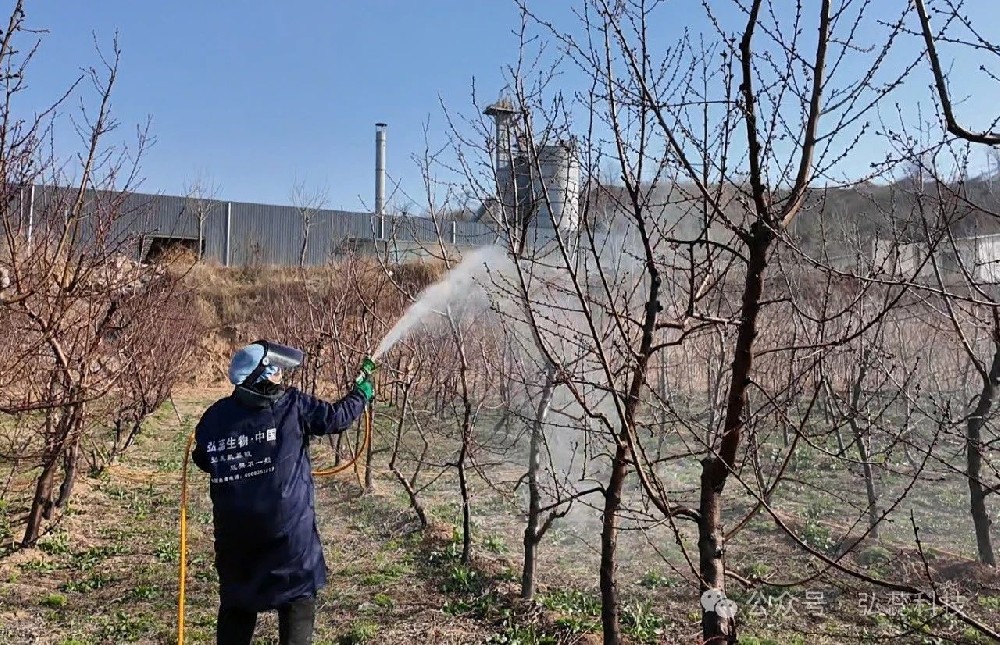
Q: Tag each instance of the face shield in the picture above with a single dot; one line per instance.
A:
(276, 357)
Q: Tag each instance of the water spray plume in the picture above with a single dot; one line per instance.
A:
(456, 286)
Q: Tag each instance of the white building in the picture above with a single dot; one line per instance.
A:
(538, 185)
(978, 256)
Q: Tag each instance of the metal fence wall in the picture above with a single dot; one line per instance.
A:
(237, 233)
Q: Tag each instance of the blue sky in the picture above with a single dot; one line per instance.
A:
(258, 95)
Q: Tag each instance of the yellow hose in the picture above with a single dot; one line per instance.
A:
(182, 573)
(365, 441)
(183, 550)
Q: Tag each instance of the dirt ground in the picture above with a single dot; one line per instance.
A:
(107, 571)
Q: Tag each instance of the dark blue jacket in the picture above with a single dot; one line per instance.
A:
(254, 446)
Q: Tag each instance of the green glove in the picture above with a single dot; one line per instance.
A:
(364, 382)
(364, 385)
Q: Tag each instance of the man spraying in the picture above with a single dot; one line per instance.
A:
(254, 446)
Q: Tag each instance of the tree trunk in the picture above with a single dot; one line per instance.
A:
(715, 629)
(866, 469)
(663, 390)
(71, 461)
(370, 456)
(859, 438)
(841, 446)
(201, 235)
(758, 471)
(830, 414)
(41, 501)
(718, 629)
(305, 242)
(712, 397)
(467, 421)
(609, 545)
(532, 536)
(974, 463)
(411, 492)
(336, 445)
(463, 485)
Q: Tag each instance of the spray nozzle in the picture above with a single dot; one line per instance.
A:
(368, 365)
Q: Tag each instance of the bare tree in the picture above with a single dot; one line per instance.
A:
(201, 200)
(307, 202)
(987, 369)
(717, 149)
(970, 306)
(79, 313)
(409, 483)
(692, 221)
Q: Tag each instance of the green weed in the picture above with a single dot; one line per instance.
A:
(793, 639)
(449, 554)
(39, 566)
(971, 636)
(167, 551)
(990, 602)
(126, 627)
(6, 531)
(457, 607)
(655, 580)
(919, 618)
(360, 631)
(85, 560)
(54, 543)
(874, 556)
(144, 592)
(387, 574)
(819, 537)
(461, 579)
(518, 635)
(576, 624)
(577, 610)
(97, 580)
(571, 602)
(486, 606)
(494, 544)
(756, 570)
(641, 623)
(54, 600)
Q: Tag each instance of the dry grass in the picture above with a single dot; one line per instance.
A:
(235, 303)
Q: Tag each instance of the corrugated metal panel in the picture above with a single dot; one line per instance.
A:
(259, 234)
(474, 234)
(323, 238)
(263, 234)
(416, 229)
(349, 226)
(15, 214)
(214, 233)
